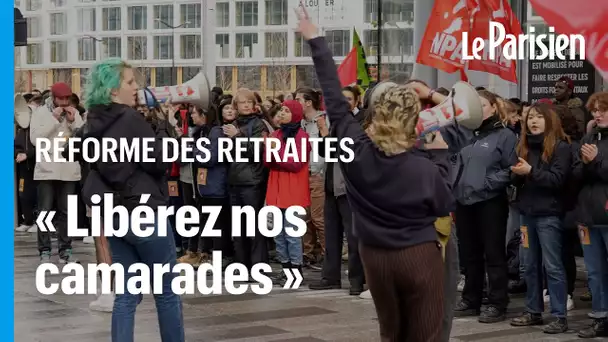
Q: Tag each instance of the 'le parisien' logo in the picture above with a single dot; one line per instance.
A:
(512, 47)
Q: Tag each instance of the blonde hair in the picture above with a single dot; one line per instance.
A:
(244, 93)
(393, 121)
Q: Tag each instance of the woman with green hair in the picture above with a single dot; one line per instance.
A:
(110, 98)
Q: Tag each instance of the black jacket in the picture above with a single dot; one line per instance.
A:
(541, 193)
(23, 144)
(395, 199)
(252, 172)
(127, 180)
(593, 177)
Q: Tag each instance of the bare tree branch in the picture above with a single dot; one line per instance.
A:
(223, 76)
(278, 74)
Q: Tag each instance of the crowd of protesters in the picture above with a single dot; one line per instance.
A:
(505, 206)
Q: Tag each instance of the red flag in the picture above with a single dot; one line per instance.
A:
(584, 17)
(441, 46)
(498, 11)
(347, 71)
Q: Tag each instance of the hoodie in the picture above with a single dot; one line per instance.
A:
(127, 180)
(395, 199)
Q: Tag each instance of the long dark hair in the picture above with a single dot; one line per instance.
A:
(553, 132)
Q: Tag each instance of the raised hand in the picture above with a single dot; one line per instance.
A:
(306, 28)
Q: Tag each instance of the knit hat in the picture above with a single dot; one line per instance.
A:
(61, 89)
(295, 107)
(569, 83)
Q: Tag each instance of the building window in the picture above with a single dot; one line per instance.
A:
(138, 48)
(190, 46)
(59, 23)
(301, 48)
(223, 77)
(188, 73)
(276, 12)
(83, 76)
(86, 19)
(33, 27)
(275, 44)
(249, 77)
(113, 46)
(58, 3)
(33, 5)
(59, 52)
(163, 16)
(339, 42)
(247, 13)
(87, 49)
(165, 77)
(244, 44)
(222, 41)
(138, 17)
(191, 14)
(111, 18)
(392, 11)
(163, 47)
(34, 53)
(222, 18)
(395, 42)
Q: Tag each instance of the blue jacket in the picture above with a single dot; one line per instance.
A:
(211, 176)
(483, 163)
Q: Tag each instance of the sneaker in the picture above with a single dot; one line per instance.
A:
(546, 297)
(599, 328)
(33, 229)
(67, 258)
(559, 326)
(89, 240)
(45, 257)
(461, 284)
(103, 303)
(365, 295)
(586, 297)
(527, 319)
(325, 285)
(23, 228)
(464, 309)
(570, 303)
(492, 314)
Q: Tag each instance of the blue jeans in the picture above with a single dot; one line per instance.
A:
(545, 248)
(595, 251)
(289, 249)
(155, 249)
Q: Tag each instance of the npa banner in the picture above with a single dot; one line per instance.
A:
(498, 11)
(441, 46)
(584, 17)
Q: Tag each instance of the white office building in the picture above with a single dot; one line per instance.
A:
(255, 44)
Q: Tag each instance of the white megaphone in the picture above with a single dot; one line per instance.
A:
(462, 105)
(196, 91)
(23, 113)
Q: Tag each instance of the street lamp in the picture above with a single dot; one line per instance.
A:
(173, 47)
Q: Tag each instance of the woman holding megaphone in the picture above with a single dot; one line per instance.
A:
(394, 220)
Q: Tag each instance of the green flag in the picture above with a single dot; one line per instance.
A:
(363, 78)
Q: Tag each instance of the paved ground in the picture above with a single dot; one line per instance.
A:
(300, 316)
